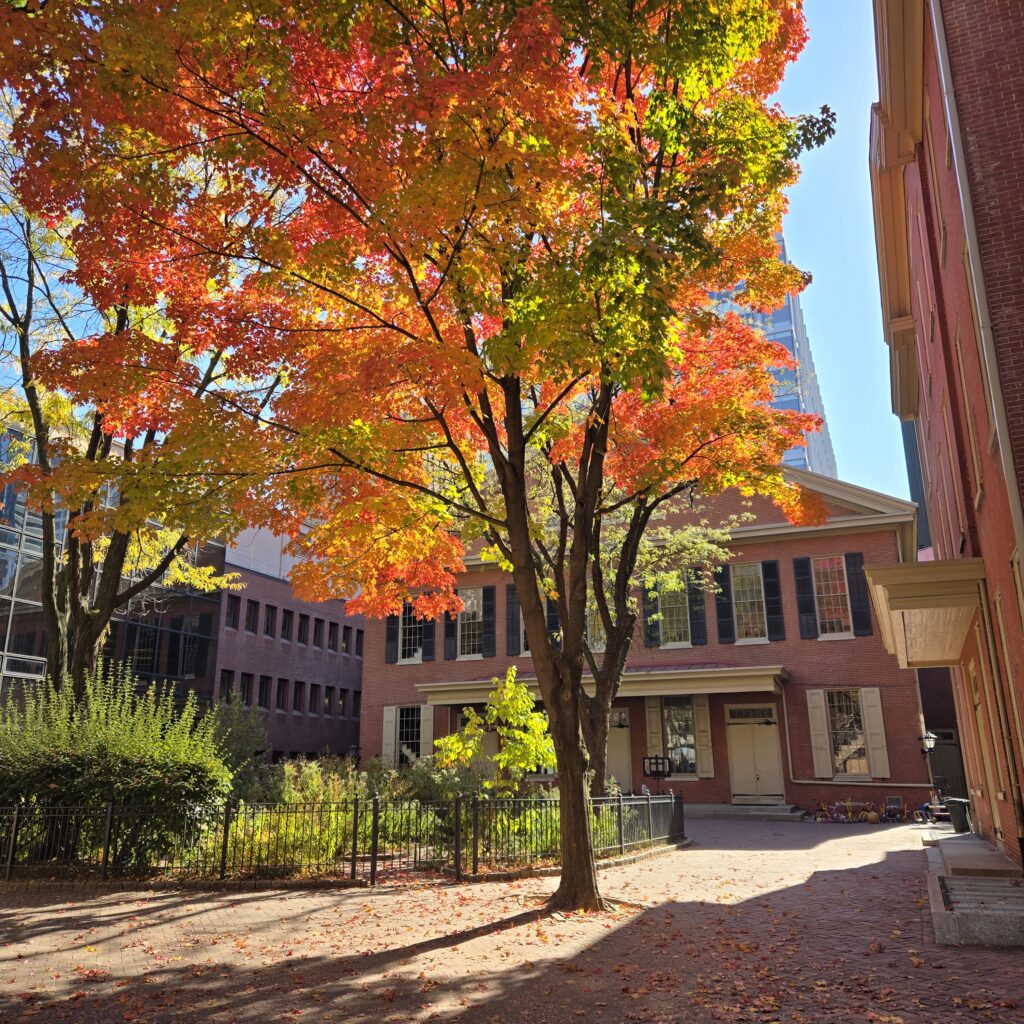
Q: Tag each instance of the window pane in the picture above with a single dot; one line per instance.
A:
(264, 692)
(332, 636)
(410, 646)
(298, 695)
(246, 688)
(303, 636)
(357, 700)
(346, 640)
(286, 625)
(748, 602)
(227, 683)
(252, 614)
(831, 596)
(408, 735)
(675, 617)
(318, 632)
(234, 607)
(680, 746)
(471, 623)
(849, 750)
(314, 699)
(359, 643)
(281, 701)
(269, 620)
(329, 705)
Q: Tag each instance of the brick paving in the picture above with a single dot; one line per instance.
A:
(759, 922)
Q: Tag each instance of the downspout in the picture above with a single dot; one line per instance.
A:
(1001, 424)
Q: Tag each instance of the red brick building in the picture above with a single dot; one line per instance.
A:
(946, 138)
(778, 690)
(300, 664)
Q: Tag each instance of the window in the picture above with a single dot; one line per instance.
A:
(748, 602)
(846, 730)
(831, 596)
(359, 643)
(346, 640)
(263, 698)
(471, 623)
(410, 636)
(314, 698)
(342, 702)
(357, 700)
(252, 616)
(596, 638)
(245, 688)
(680, 742)
(329, 706)
(286, 624)
(675, 618)
(269, 620)
(298, 695)
(524, 643)
(232, 611)
(332, 636)
(303, 635)
(318, 632)
(143, 645)
(227, 683)
(408, 735)
(281, 700)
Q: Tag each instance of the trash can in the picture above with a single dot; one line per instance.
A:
(958, 814)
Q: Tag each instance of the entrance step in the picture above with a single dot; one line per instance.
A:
(746, 812)
(968, 854)
(970, 911)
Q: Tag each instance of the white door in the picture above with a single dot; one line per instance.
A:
(620, 763)
(755, 758)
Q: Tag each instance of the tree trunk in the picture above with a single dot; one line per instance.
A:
(578, 889)
(594, 721)
(85, 655)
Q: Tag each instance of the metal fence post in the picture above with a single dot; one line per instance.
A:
(374, 839)
(224, 841)
(9, 868)
(622, 828)
(106, 841)
(458, 839)
(476, 834)
(355, 837)
(650, 819)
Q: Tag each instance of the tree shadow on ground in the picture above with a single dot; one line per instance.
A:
(847, 945)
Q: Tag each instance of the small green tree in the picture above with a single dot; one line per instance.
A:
(525, 742)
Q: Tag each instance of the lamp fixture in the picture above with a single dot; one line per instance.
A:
(928, 741)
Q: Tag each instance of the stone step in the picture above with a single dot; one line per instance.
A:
(968, 854)
(746, 812)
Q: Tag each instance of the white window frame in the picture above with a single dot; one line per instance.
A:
(398, 733)
(479, 591)
(417, 658)
(674, 644)
(831, 732)
(848, 635)
(764, 603)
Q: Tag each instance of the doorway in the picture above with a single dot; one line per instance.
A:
(620, 760)
(755, 756)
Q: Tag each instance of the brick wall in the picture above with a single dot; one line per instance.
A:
(240, 651)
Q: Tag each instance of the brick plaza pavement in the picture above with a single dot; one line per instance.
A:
(758, 922)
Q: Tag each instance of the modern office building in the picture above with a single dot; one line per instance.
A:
(299, 664)
(949, 225)
(797, 390)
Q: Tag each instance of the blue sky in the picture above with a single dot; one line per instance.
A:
(829, 232)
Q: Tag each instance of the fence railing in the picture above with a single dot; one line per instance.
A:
(365, 839)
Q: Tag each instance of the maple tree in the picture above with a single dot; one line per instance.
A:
(458, 262)
(86, 465)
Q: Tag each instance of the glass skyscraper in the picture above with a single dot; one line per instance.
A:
(797, 389)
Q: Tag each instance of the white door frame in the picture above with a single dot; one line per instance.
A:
(773, 718)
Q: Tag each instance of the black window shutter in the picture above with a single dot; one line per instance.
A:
(554, 626)
(391, 640)
(652, 627)
(805, 599)
(451, 637)
(513, 645)
(427, 641)
(773, 600)
(490, 609)
(696, 607)
(860, 603)
(723, 606)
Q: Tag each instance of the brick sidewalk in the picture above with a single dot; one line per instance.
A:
(758, 922)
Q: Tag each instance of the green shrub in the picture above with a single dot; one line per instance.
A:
(112, 745)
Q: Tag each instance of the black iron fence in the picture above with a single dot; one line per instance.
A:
(358, 839)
